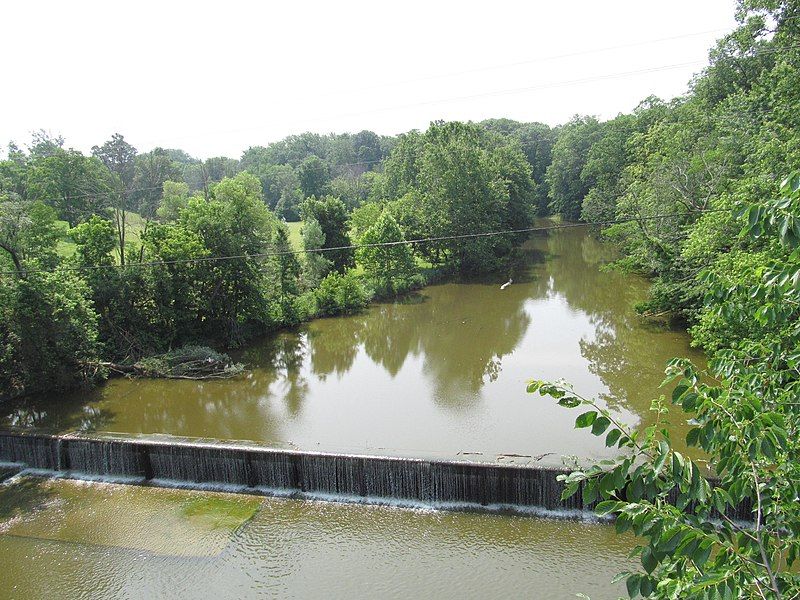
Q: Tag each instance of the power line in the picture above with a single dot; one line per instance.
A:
(541, 59)
(511, 91)
(499, 92)
(216, 259)
(556, 84)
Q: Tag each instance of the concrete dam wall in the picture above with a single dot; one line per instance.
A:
(248, 468)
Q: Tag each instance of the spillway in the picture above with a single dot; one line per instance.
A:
(204, 464)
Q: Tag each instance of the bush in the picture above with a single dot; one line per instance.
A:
(340, 294)
(48, 333)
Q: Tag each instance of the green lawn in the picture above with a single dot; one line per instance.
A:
(133, 231)
(66, 247)
(294, 235)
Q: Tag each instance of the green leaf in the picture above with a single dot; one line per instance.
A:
(646, 586)
(679, 391)
(608, 483)
(767, 447)
(701, 554)
(533, 386)
(585, 419)
(648, 560)
(570, 490)
(569, 402)
(612, 437)
(670, 540)
(633, 585)
(663, 453)
(693, 437)
(600, 425)
(589, 493)
(606, 507)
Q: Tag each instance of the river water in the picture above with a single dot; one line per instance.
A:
(440, 374)
(66, 539)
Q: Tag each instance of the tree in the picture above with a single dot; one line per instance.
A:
(462, 194)
(747, 425)
(391, 267)
(316, 265)
(367, 147)
(514, 171)
(282, 191)
(234, 222)
(179, 286)
(75, 185)
(352, 190)
(48, 333)
(570, 152)
(286, 270)
(28, 232)
(119, 158)
(174, 198)
(339, 294)
(44, 144)
(331, 214)
(95, 240)
(152, 169)
(313, 176)
(606, 161)
(537, 141)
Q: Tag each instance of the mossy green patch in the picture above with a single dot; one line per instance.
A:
(216, 512)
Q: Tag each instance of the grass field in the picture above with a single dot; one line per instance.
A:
(66, 247)
(133, 231)
(294, 235)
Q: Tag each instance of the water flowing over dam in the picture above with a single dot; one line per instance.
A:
(249, 468)
(203, 463)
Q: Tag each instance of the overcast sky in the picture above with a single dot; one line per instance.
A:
(214, 78)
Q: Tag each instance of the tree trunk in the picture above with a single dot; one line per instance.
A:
(15, 260)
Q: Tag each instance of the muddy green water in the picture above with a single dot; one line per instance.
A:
(65, 539)
(441, 374)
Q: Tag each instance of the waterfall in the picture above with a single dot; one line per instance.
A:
(256, 469)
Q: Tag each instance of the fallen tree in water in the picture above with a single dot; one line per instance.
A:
(189, 362)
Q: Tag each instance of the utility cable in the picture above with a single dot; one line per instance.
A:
(216, 259)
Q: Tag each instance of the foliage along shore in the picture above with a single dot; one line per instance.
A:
(724, 163)
(214, 266)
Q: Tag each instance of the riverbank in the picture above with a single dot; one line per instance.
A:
(441, 374)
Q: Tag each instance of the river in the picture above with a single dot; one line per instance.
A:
(439, 374)
(66, 539)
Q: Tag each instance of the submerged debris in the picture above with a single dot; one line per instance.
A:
(189, 362)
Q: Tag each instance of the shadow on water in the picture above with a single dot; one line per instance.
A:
(73, 411)
(449, 361)
(23, 496)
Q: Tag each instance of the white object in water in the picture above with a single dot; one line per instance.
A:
(506, 284)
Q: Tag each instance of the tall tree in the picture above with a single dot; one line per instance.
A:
(313, 175)
(391, 267)
(151, 170)
(75, 185)
(119, 157)
(567, 189)
(315, 266)
(331, 214)
(537, 141)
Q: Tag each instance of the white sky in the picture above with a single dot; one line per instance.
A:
(214, 78)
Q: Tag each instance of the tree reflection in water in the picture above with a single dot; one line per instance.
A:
(446, 366)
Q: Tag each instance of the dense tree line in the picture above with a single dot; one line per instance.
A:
(709, 187)
(120, 255)
(728, 142)
(115, 256)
